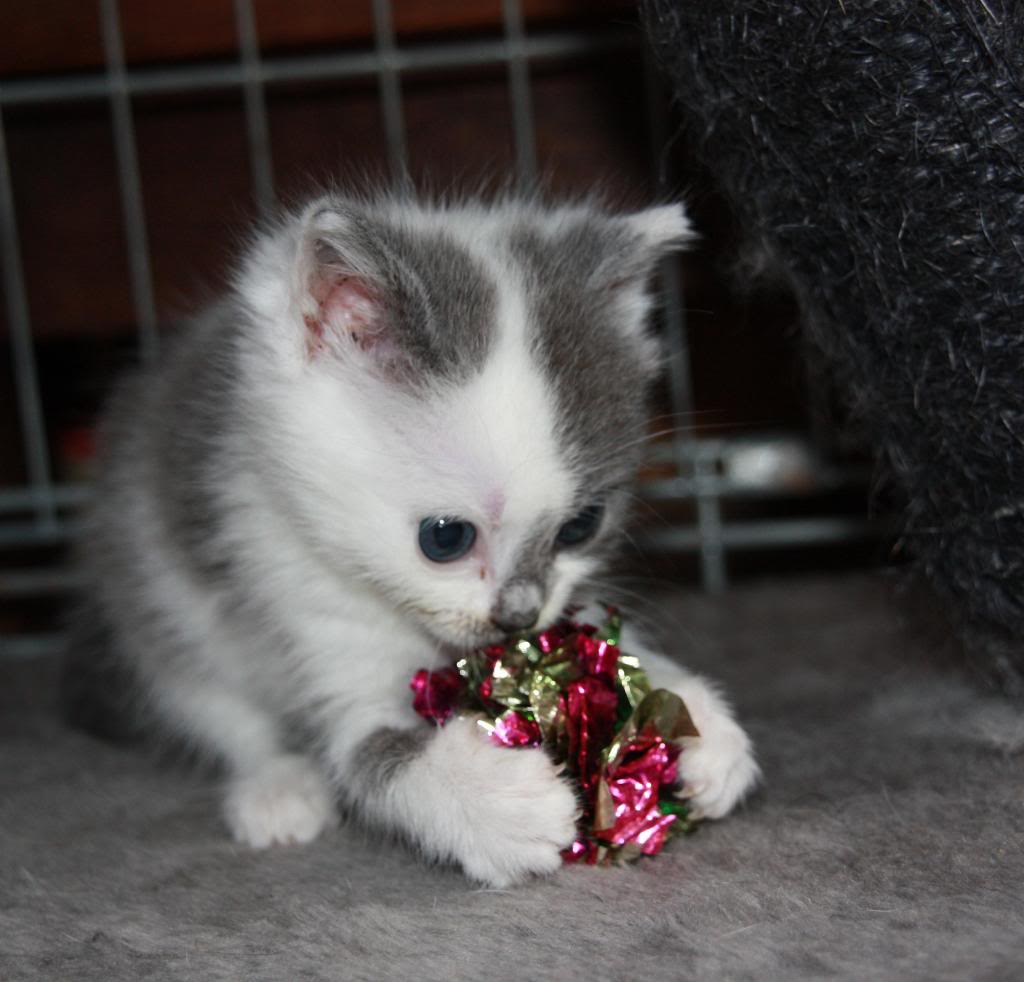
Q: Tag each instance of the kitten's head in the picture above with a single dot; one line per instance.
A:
(462, 397)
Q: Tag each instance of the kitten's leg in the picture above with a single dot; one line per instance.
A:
(718, 768)
(286, 800)
(502, 814)
(272, 797)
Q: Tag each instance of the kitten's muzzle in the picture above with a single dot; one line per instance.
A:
(517, 607)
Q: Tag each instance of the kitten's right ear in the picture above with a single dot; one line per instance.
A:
(341, 297)
(650, 235)
(662, 227)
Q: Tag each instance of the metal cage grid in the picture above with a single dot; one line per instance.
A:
(41, 512)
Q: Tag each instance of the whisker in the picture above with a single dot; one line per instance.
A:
(685, 413)
(644, 503)
(651, 618)
(616, 587)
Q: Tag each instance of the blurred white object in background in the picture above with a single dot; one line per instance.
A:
(774, 462)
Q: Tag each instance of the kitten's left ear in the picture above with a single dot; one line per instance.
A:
(341, 294)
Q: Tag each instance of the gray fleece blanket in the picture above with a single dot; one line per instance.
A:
(885, 844)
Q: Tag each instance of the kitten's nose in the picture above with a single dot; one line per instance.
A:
(517, 607)
(513, 621)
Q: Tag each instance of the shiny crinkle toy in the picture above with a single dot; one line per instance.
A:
(572, 690)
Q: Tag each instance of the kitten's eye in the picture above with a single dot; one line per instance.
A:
(577, 530)
(443, 540)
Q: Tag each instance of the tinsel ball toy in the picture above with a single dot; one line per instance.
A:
(573, 691)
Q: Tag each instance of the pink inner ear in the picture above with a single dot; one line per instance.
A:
(347, 306)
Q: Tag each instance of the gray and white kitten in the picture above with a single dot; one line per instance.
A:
(407, 430)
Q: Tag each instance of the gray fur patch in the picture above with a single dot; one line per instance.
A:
(597, 371)
(440, 302)
(530, 574)
(518, 603)
(98, 690)
(200, 389)
(384, 752)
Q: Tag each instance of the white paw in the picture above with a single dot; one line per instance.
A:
(717, 768)
(503, 814)
(287, 801)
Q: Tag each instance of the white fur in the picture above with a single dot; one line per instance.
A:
(286, 801)
(502, 815)
(331, 606)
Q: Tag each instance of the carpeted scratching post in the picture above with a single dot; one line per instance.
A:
(875, 151)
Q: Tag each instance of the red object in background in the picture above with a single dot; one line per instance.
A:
(76, 452)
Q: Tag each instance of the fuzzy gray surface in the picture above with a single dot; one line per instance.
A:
(886, 844)
(874, 153)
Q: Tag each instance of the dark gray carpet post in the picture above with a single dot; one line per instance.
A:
(887, 843)
(873, 153)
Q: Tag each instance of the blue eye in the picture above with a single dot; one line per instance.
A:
(577, 530)
(443, 540)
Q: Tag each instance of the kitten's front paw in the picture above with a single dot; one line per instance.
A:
(503, 814)
(718, 767)
(287, 801)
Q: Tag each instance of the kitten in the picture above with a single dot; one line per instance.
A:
(407, 430)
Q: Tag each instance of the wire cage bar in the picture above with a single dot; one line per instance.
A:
(130, 183)
(256, 127)
(519, 92)
(50, 506)
(388, 70)
(211, 76)
(40, 493)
